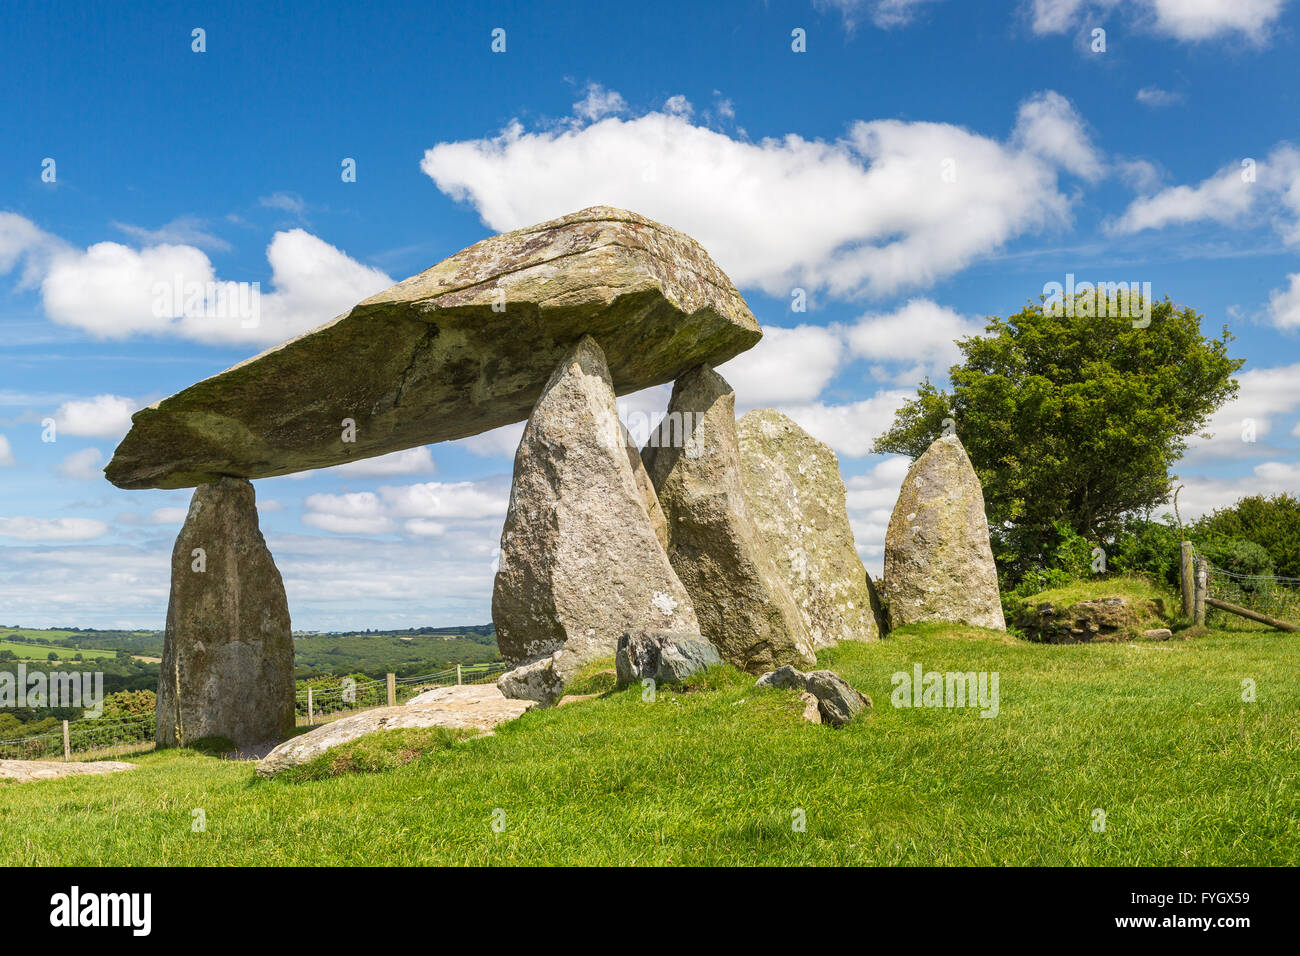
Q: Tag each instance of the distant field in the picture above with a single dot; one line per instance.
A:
(41, 652)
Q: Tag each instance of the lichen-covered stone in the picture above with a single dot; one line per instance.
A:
(580, 559)
(461, 348)
(797, 500)
(743, 604)
(227, 667)
(662, 656)
(938, 560)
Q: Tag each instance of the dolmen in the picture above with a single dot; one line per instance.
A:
(712, 531)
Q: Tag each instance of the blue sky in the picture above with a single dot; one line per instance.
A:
(919, 166)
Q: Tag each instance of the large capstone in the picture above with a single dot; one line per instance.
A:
(461, 348)
(797, 500)
(745, 608)
(938, 561)
(227, 667)
(580, 559)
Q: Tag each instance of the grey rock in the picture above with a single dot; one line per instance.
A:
(838, 701)
(25, 771)
(811, 708)
(662, 655)
(1158, 634)
(744, 607)
(476, 707)
(461, 348)
(797, 500)
(227, 667)
(785, 676)
(938, 560)
(537, 681)
(580, 560)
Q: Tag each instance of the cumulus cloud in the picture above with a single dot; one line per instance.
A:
(1284, 304)
(599, 102)
(83, 465)
(1240, 428)
(1202, 494)
(409, 461)
(426, 509)
(921, 333)
(1188, 20)
(870, 501)
(6, 453)
(52, 529)
(787, 365)
(104, 416)
(891, 205)
(851, 429)
(114, 291)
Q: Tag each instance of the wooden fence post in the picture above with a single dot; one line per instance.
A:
(309, 707)
(1202, 588)
(458, 680)
(1187, 578)
(392, 691)
(67, 743)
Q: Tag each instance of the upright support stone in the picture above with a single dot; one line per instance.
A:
(1202, 589)
(227, 668)
(938, 559)
(580, 560)
(798, 501)
(743, 603)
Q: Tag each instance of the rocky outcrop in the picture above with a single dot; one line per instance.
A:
(662, 656)
(461, 348)
(744, 606)
(581, 562)
(938, 560)
(1101, 619)
(473, 707)
(25, 771)
(796, 498)
(837, 702)
(227, 667)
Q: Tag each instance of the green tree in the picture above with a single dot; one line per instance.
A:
(1271, 522)
(1071, 418)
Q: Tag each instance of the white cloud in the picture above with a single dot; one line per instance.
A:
(1203, 494)
(599, 102)
(1284, 304)
(172, 515)
(921, 332)
(268, 505)
(496, 443)
(114, 291)
(104, 416)
(355, 513)
(409, 461)
(1188, 20)
(870, 500)
(872, 213)
(1264, 395)
(1224, 198)
(284, 201)
(1050, 127)
(184, 230)
(885, 14)
(374, 513)
(463, 500)
(850, 429)
(6, 453)
(1154, 96)
(787, 365)
(83, 465)
(52, 529)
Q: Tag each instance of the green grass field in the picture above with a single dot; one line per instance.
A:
(41, 652)
(1155, 734)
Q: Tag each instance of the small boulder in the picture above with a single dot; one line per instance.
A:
(811, 708)
(838, 701)
(536, 681)
(664, 656)
(1158, 634)
(786, 676)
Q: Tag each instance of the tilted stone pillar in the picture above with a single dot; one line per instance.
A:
(743, 603)
(227, 668)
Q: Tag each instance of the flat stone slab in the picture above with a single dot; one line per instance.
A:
(459, 349)
(25, 771)
(466, 707)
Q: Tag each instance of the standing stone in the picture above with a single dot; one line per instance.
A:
(744, 606)
(797, 499)
(227, 668)
(580, 560)
(938, 561)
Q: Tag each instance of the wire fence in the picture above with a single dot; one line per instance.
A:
(94, 738)
(1269, 594)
